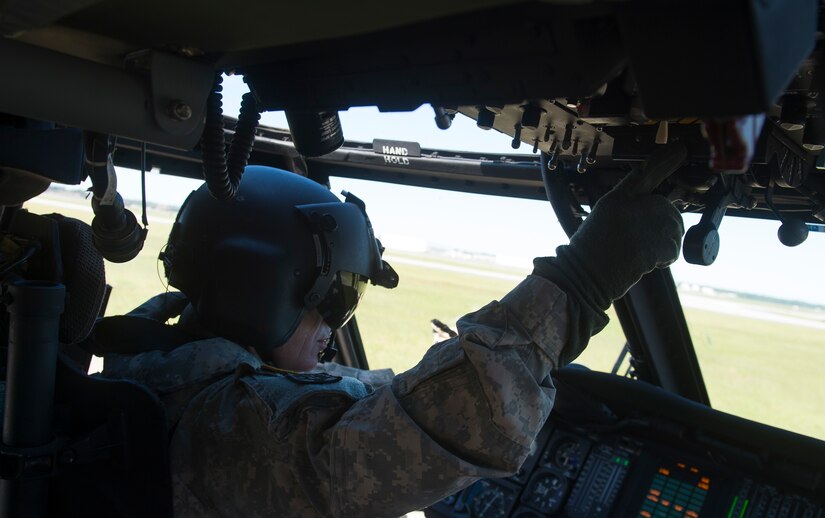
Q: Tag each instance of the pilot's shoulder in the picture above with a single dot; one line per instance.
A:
(374, 378)
(283, 392)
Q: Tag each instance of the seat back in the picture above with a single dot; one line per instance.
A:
(119, 463)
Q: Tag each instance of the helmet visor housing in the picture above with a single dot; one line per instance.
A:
(347, 257)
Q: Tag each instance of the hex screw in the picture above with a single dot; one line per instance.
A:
(179, 110)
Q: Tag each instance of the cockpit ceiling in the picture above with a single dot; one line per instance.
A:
(727, 58)
(220, 28)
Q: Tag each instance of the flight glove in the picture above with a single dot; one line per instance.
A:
(629, 232)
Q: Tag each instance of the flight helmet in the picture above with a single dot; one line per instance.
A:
(250, 266)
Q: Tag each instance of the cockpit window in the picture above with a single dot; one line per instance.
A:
(757, 320)
(454, 252)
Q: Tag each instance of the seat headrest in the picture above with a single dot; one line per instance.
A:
(84, 276)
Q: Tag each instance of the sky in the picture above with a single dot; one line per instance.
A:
(751, 259)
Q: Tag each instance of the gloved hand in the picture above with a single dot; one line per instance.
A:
(628, 233)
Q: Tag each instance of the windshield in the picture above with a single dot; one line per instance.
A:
(757, 319)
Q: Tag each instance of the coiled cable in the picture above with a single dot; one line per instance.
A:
(223, 172)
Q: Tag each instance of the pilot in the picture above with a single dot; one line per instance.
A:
(269, 275)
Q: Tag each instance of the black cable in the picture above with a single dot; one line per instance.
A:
(213, 145)
(244, 138)
(223, 172)
(559, 196)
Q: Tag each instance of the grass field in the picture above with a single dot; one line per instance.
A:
(761, 370)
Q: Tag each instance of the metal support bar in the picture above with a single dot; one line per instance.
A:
(653, 322)
(166, 108)
(34, 309)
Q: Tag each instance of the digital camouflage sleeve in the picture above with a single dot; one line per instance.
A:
(471, 408)
(254, 443)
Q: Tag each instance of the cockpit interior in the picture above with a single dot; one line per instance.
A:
(583, 90)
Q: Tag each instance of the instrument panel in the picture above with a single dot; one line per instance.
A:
(610, 465)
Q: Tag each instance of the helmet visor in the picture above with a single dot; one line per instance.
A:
(342, 298)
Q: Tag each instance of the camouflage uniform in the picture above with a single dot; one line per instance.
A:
(248, 442)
